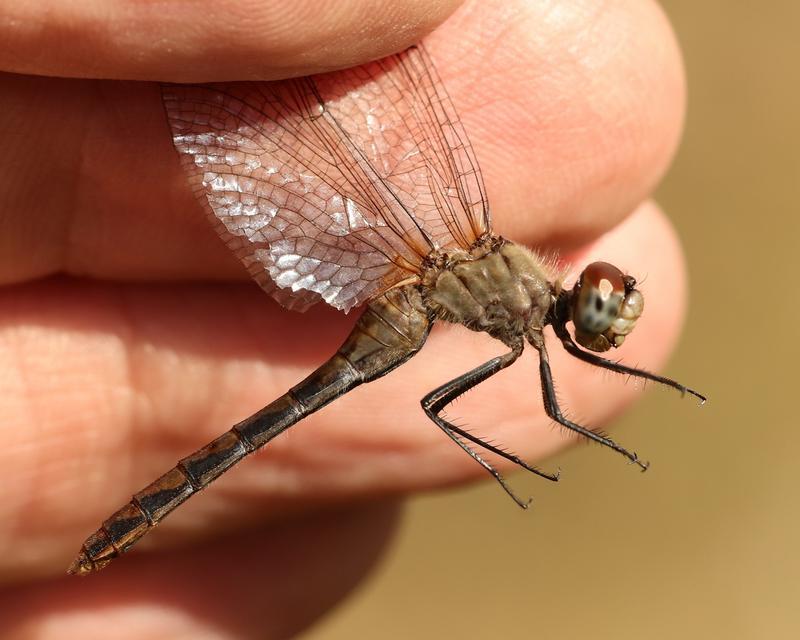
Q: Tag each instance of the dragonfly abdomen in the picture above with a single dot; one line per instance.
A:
(391, 330)
(153, 503)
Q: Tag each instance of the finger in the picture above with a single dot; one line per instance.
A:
(105, 388)
(294, 573)
(573, 121)
(202, 41)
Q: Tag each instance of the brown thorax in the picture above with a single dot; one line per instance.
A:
(498, 287)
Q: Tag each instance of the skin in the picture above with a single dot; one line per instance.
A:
(129, 336)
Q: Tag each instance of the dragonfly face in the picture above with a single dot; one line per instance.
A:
(606, 306)
(360, 188)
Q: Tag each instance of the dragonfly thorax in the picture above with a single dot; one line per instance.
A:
(501, 288)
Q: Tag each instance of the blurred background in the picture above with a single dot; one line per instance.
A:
(706, 543)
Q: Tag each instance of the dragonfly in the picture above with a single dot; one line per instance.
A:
(360, 188)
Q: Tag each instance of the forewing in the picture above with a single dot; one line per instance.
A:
(398, 113)
(334, 187)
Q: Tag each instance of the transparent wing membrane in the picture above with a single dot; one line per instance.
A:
(333, 187)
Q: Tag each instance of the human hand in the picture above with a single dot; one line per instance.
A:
(121, 347)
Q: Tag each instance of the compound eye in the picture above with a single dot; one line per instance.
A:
(606, 306)
(602, 291)
(605, 277)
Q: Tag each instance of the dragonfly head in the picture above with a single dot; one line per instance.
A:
(605, 307)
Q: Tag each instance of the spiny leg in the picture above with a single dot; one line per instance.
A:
(553, 477)
(495, 473)
(439, 398)
(591, 358)
(554, 411)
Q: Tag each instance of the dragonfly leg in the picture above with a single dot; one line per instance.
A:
(574, 350)
(435, 402)
(554, 411)
(495, 473)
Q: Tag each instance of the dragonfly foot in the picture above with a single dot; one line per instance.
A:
(644, 465)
